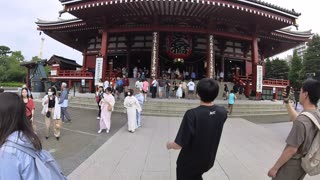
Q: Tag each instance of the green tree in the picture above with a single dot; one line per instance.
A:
(10, 69)
(268, 68)
(295, 70)
(311, 61)
(276, 69)
(35, 59)
(4, 51)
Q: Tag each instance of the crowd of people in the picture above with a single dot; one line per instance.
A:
(198, 136)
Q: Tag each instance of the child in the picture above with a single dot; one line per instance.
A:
(199, 133)
(231, 99)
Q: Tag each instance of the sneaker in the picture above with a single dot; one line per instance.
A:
(98, 118)
(99, 131)
(107, 131)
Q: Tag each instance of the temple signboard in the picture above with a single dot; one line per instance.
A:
(179, 45)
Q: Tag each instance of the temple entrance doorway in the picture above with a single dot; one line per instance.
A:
(234, 67)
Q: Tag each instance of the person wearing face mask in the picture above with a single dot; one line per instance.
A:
(52, 111)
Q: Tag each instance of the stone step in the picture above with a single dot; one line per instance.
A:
(170, 107)
(180, 114)
(182, 109)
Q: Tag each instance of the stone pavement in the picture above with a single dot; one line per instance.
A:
(246, 152)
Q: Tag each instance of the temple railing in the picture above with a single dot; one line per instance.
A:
(73, 73)
(276, 82)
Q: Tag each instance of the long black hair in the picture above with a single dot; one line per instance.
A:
(13, 118)
(27, 93)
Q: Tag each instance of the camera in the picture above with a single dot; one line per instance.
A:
(287, 91)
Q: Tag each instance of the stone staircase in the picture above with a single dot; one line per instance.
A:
(177, 107)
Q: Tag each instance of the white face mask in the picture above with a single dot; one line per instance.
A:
(50, 93)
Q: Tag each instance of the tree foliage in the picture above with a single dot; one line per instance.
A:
(295, 70)
(276, 69)
(10, 69)
(311, 61)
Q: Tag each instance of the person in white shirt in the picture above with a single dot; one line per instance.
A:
(105, 84)
(221, 76)
(191, 87)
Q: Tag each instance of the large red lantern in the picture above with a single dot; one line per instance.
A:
(179, 45)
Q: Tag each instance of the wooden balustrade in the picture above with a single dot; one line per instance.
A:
(74, 73)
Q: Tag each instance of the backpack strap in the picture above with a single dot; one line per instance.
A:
(26, 150)
(313, 119)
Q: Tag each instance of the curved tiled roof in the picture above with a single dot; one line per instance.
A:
(58, 22)
(274, 7)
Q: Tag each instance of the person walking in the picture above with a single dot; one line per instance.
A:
(107, 104)
(52, 111)
(288, 166)
(153, 87)
(161, 86)
(132, 105)
(168, 86)
(99, 95)
(199, 134)
(191, 88)
(179, 91)
(231, 100)
(140, 99)
(30, 107)
(63, 102)
(145, 88)
(225, 92)
(126, 83)
(184, 89)
(119, 87)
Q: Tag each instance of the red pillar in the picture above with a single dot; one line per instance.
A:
(69, 84)
(90, 85)
(254, 54)
(84, 61)
(104, 53)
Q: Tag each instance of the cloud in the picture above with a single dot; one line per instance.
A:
(19, 31)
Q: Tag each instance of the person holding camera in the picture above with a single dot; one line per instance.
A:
(52, 111)
(300, 138)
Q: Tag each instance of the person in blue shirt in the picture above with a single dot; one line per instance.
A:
(231, 99)
(140, 98)
(14, 127)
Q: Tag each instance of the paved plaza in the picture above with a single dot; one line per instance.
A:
(247, 150)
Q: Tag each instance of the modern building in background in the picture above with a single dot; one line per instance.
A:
(301, 49)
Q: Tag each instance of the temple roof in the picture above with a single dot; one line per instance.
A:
(60, 21)
(256, 3)
(264, 3)
(59, 59)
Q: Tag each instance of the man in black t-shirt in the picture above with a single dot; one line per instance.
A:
(199, 134)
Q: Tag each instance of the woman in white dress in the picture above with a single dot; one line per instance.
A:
(107, 104)
(179, 91)
(132, 105)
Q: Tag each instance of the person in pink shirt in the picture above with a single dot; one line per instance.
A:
(145, 88)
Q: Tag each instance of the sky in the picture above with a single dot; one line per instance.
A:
(19, 31)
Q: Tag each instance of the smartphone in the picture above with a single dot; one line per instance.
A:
(287, 91)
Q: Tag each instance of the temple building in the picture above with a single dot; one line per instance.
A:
(205, 37)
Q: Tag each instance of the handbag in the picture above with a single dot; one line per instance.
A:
(48, 114)
(109, 108)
